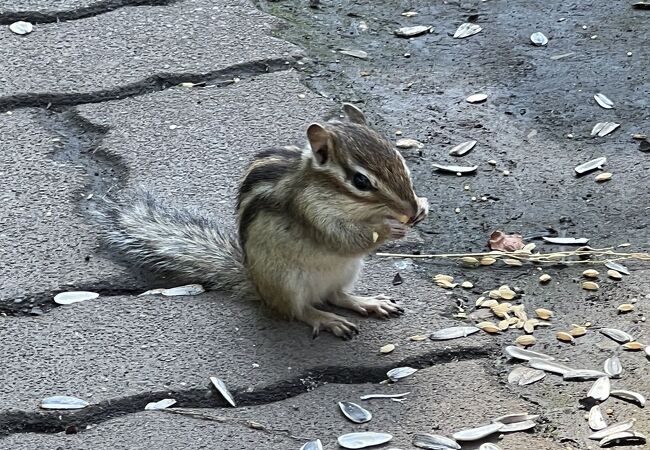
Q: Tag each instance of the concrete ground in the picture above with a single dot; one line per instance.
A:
(90, 103)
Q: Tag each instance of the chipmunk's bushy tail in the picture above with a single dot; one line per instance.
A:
(179, 242)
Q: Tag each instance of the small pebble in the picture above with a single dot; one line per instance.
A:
(398, 133)
(457, 210)
(629, 53)
(584, 27)
(506, 173)
(301, 95)
(594, 36)
(484, 198)
(473, 199)
(492, 162)
(570, 136)
(466, 187)
(387, 348)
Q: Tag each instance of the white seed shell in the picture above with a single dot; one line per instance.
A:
(473, 434)
(453, 333)
(434, 442)
(596, 418)
(161, 404)
(68, 298)
(538, 39)
(600, 389)
(525, 355)
(613, 367)
(466, 30)
(312, 445)
(354, 412)
(584, 375)
(603, 101)
(21, 27)
(63, 402)
(549, 366)
(612, 429)
(223, 390)
(630, 396)
(617, 335)
(400, 372)
(363, 439)
(462, 149)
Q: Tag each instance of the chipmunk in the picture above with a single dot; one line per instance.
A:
(306, 219)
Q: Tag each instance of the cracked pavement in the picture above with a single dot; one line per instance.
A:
(90, 102)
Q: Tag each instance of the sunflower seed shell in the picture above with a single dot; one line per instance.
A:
(462, 149)
(630, 396)
(612, 429)
(600, 389)
(400, 372)
(525, 355)
(312, 445)
(473, 434)
(453, 333)
(623, 438)
(613, 367)
(590, 165)
(518, 426)
(584, 375)
(434, 442)
(549, 366)
(354, 412)
(596, 418)
(363, 439)
(616, 335)
(603, 101)
(223, 390)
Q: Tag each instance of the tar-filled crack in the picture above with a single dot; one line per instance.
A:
(154, 83)
(99, 7)
(207, 397)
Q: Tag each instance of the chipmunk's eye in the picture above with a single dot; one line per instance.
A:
(361, 182)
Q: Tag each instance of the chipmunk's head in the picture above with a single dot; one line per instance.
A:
(365, 167)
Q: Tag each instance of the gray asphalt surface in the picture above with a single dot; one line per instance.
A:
(92, 105)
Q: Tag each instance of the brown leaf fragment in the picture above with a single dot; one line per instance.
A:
(506, 242)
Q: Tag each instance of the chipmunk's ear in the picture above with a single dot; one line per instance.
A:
(320, 142)
(354, 114)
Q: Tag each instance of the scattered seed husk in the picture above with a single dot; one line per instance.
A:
(354, 412)
(600, 389)
(63, 402)
(604, 128)
(21, 27)
(223, 390)
(356, 53)
(612, 429)
(590, 286)
(584, 375)
(440, 276)
(501, 310)
(543, 313)
(462, 149)
(312, 445)
(524, 376)
(529, 325)
(641, 5)
(161, 404)
(487, 261)
(375, 236)
(544, 278)
(488, 327)
(625, 307)
(605, 176)
(418, 337)
(409, 14)
(589, 166)
(401, 372)
(538, 39)
(561, 56)
(616, 275)
(617, 335)
(467, 285)
(434, 442)
(476, 98)
(467, 30)
(506, 293)
(455, 169)
(603, 101)
(68, 298)
(363, 439)
(413, 31)
(446, 284)
(518, 426)
(590, 273)
(473, 434)
(617, 267)
(613, 367)
(489, 303)
(525, 355)
(549, 366)
(623, 438)
(504, 324)
(514, 418)
(408, 143)
(387, 348)
(526, 340)
(190, 289)
(634, 346)
(372, 396)
(564, 336)
(565, 240)
(596, 418)
(453, 333)
(489, 446)
(470, 261)
(631, 396)
(512, 262)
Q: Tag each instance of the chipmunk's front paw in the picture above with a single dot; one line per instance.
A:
(396, 229)
(423, 210)
(326, 321)
(377, 305)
